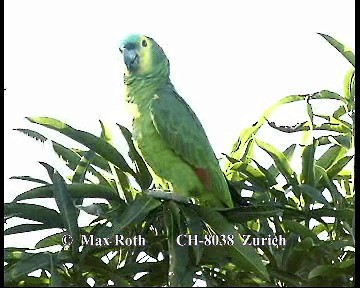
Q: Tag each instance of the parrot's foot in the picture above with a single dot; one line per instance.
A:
(156, 193)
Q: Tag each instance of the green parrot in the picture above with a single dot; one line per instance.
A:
(166, 131)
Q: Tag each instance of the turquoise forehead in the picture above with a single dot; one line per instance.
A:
(132, 38)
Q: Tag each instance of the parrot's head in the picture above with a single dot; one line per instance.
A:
(143, 56)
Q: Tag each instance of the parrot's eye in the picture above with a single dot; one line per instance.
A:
(144, 43)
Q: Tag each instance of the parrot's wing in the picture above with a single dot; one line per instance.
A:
(181, 130)
(178, 125)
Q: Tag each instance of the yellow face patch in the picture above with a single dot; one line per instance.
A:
(145, 56)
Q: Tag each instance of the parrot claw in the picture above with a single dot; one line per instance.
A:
(165, 195)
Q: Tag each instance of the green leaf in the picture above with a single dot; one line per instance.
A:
(121, 180)
(243, 141)
(340, 112)
(50, 170)
(280, 161)
(28, 228)
(290, 279)
(34, 212)
(340, 214)
(341, 140)
(136, 211)
(353, 229)
(244, 256)
(294, 259)
(330, 156)
(270, 177)
(94, 209)
(310, 112)
(74, 156)
(299, 229)
(288, 152)
(248, 133)
(98, 267)
(335, 124)
(69, 156)
(349, 85)
(338, 166)
(82, 167)
(12, 254)
(336, 195)
(31, 179)
(254, 175)
(27, 264)
(334, 270)
(98, 160)
(75, 190)
(80, 173)
(308, 170)
(143, 176)
(326, 94)
(94, 143)
(33, 134)
(346, 52)
(67, 209)
(314, 194)
(247, 213)
(180, 270)
(123, 184)
(55, 278)
(195, 226)
(55, 239)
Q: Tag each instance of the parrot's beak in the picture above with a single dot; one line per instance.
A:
(131, 58)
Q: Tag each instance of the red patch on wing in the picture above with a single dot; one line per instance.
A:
(204, 177)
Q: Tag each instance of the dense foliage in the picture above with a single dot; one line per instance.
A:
(312, 209)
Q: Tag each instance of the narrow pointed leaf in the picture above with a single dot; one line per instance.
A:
(31, 179)
(94, 143)
(280, 160)
(180, 272)
(314, 194)
(334, 270)
(28, 263)
(55, 278)
(349, 85)
(67, 209)
(69, 156)
(245, 255)
(33, 134)
(29, 228)
(288, 152)
(338, 166)
(98, 160)
(55, 239)
(136, 211)
(330, 156)
(243, 214)
(50, 170)
(75, 190)
(299, 229)
(346, 52)
(308, 170)
(82, 167)
(195, 228)
(34, 212)
(143, 176)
